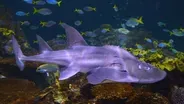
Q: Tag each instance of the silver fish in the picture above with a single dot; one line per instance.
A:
(99, 63)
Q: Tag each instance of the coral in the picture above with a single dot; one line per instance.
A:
(66, 91)
(53, 92)
(14, 91)
(125, 94)
(147, 98)
(177, 95)
(112, 91)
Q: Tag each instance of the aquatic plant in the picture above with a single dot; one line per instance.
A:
(167, 63)
(7, 32)
(180, 55)
(180, 65)
(138, 52)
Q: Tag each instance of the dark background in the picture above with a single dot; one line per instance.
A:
(170, 12)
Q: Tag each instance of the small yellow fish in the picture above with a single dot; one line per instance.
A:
(148, 40)
(182, 29)
(83, 33)
(26, 45)
(138, 46)
(139, 20)
(47, 68)
(54, 2)
(115, 8)
(60, 23)
(78, 23)
(164, 44)
(104, 30)
(61, 36)
(155, 44)
(79, 11)
(25, 23)
(89, 8)
(59, 3)
(43, 23)
(35, 41)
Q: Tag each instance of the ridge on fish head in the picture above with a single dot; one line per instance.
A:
(144, 72)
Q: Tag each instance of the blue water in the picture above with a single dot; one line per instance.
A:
(168, 11)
